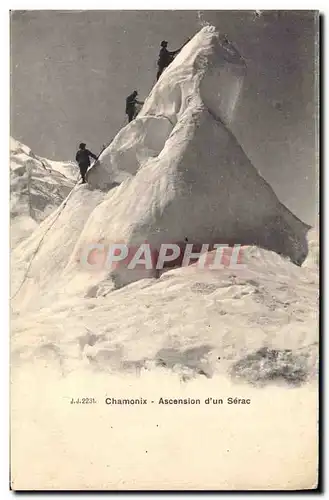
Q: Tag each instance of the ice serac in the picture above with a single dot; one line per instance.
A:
(183, 173)
(175, 174)
(208, 72)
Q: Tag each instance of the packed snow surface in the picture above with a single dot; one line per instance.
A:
(175, 174)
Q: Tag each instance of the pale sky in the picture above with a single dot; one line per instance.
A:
(72, 70)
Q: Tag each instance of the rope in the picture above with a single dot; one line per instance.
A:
(107, 145)
(29, 178)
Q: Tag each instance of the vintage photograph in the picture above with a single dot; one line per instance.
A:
(164, 231)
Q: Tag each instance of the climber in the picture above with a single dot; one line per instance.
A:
(166, 57)
(83, 159)
(131, 102)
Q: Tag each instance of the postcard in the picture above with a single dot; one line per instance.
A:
(164, 175)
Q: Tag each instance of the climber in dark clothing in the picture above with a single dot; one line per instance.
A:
(83, 159)
(131, 102)
(166, 57)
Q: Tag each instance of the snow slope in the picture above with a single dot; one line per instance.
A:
(183, 173)
(37, 188)
(262, 317)
(175, 173)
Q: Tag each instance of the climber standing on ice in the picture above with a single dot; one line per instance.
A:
(166, 57)
(131, 102)
(83, 159)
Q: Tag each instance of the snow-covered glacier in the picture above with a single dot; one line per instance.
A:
(174, 174)
(182, 173)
